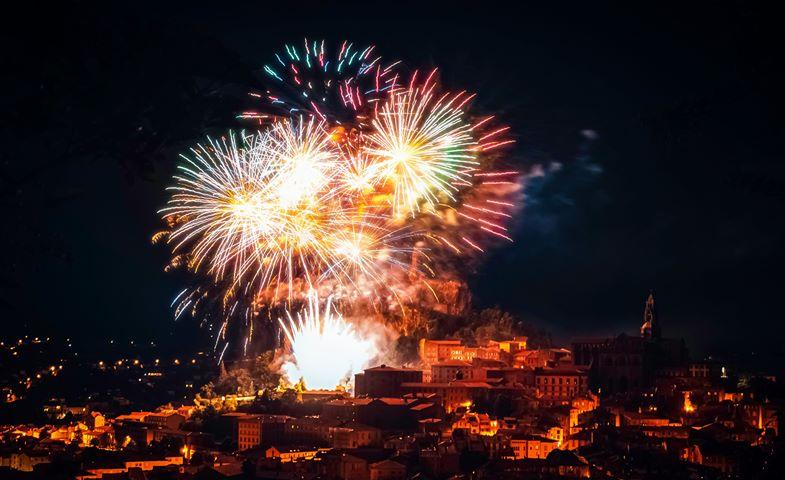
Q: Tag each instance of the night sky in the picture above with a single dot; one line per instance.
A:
(658, 132)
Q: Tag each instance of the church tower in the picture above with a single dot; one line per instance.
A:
(651, 325)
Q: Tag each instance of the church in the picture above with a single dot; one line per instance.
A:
(629, 362)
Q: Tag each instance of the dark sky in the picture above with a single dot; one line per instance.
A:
(660, 130)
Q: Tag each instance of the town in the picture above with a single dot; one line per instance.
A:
(630, 406)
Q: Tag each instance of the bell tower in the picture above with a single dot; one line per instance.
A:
(651, 325)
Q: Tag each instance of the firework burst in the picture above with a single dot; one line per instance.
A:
(326, 349)
(254, 208)
(340, 85)
(424, 148)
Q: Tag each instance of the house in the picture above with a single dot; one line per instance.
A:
(95, 420)
(170, 419)
(355, 435)
(477, 424)
(353, 468)
(449, 370)
(255, 430)
(531, 446)
(387, 470)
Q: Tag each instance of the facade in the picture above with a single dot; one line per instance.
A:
(249, 432)
(166, 420)
(560, 385)
(531, 446)
(308, 430)
(450, 370)
(355, 436)
(437, 351)
(387, 470)
(255, 430)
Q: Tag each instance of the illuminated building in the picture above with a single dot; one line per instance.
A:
(450, 370)
(95, 420)
(434, 351)
(477, 424)
(544, 357)
(531, 446)
(252, 430)
(249, 432)
(560, 385)
(171, 419)
(292, 453)
(438, 351)
(513, 346)
(144, 465)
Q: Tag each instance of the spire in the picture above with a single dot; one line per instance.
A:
(651, 326)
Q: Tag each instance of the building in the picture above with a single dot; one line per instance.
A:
(477, 424)
(170, 419)
(249, 432)
(355, 436)
(435, 351)
(308, 430)
(523, 377)
(389, 413)
(450, 370)
(27, 460)
(292, 453)
(133, 417)
(146, 464)
(95, 420)
(458, 393)
(387, 470)
(384, 381)
(255, 430)
(544, 357)
(513, 346)
(531, 446)
(438, 351)
(560, 385)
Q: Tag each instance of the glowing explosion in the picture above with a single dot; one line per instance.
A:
(327, 350)
(355, 185)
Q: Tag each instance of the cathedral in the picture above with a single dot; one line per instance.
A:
(629, 362)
